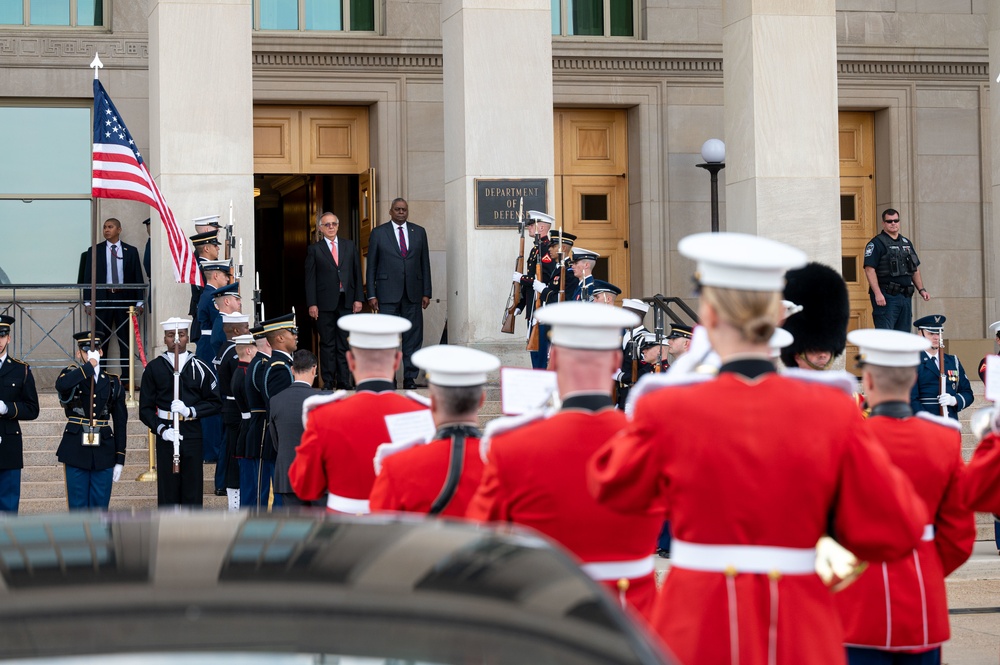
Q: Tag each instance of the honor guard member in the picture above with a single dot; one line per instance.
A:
(982, 486)
(246, 466)
(206, 248)
(584, 261)
(18, 401)
(342, 433)
(538, 227)
(216, 278)
(689, 446)
(227, 301)
(226, 469)
(995, 331)
(93, 463)
(629, 372)
(197, 398)
(819, 329)
(927, 394)
(901, 606)
(283, 336)
(891, 268)
(255, 475)
(535, 471)
(679, 340)
(604, 292)
(440, 477)
(549, 290)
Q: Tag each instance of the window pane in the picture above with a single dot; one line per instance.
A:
(279, 15)
(11, 12)
(52, 148)
(24, 225)
(594, 207)
(363, 15)
(622, 22)
(556, 17)
(586, 17)
(90, 12)
(323, 15)
(49, 12)
(847, 208)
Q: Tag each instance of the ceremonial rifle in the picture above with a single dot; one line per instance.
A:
(258, 305)
(562, 266)
(944, 373)
(177, 416)
(509, 315)
(533, 337)
(658, 329)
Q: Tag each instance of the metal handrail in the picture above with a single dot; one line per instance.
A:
(663, 305)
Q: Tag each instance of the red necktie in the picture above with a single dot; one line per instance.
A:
(402, 241)
(336, 256)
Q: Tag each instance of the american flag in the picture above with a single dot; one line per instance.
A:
(120, 173)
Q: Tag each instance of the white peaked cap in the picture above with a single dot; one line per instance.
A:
(888, 348)
(994, 327)
(456, 366)
(374, 331)
(587, 325)
(636, 304)
(175, 323)
(741, 261)
(536, 216)
(244, 339)
(779, 340)
(236, 317)
(206, 220)
(581, 253)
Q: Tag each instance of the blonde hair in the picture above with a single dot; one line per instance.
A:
(754, 313)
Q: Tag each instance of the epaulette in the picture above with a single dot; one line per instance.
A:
(507, 424)
(418, 398)
(19, 362)
(940, 420)
(277, 362)
(652, 382)
(317, 401)
(837, 378)
(386, 450)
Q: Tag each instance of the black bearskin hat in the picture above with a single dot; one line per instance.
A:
(826, 308)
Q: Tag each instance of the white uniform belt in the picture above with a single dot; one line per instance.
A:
(245, 415)
(344, 505)
(742, 558)
(615, 570)
(168, 415)
(928, 533)
(230, 397)
(206, 332)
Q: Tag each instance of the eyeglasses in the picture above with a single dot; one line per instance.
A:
(329, 224)
(890, 221)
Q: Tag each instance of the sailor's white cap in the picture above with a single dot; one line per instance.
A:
(207, 220)
(175, 323)
(635, 304)
(455, 366)
(587, 325)
(235, 317)
(779, 340)
(537, 216)
(741, 261)
(888, 348)
(244, 339)
(374, 331)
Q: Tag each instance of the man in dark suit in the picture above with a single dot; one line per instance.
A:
(18, 401)
(286, 422)
(117, 263)
(398, 278)
(333, 289)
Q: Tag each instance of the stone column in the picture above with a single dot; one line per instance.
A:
(498, 124)
(991, 239)
(201, 130)
(782, 164)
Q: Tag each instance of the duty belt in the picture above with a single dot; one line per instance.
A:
(76, 420)
(732, 559)
(615, 570)
(168, 415)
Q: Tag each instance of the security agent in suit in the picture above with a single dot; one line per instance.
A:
(286, 427)
(333, 289)
(117, 263)
(926, 394)
(91, 469)
(18, 401)
(398, 278)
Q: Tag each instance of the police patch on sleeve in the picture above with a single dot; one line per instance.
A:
(869, 249)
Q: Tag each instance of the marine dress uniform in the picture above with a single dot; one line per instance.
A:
(901, 606)
(91, 469)
(439, 477)
(343, 432)
(748, 500)
(535, 471)
(538, 256)
(926, 394)
(18, 401)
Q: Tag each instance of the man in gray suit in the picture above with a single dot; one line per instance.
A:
(333, 289)
(286, 422)
(398, 278)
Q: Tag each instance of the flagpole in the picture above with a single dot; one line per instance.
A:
(96, 64)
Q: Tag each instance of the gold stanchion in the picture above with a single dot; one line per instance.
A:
(151, 474)
(131, 401)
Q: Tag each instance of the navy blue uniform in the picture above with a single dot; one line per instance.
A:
(924, 396)
(227, 471)
(17, 391)
(259, 453)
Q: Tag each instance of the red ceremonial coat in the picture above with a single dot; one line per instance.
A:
(767, 462)
(412, 479)
(339, 442)
(902, 605)
(535, 475)
(982, 482)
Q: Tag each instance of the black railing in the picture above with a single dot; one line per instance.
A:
(664, 307)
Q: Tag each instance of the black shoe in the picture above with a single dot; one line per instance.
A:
(663, 554)
(221, 492)
(409, 385)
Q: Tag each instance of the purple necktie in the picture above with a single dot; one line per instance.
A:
(402, 241)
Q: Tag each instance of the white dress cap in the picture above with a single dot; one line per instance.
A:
(741, 261)
(581, 253)
(779, 340)
(207, 220)
(587, 325)
(244, 339)
(236, 317)
(637, 305)
(888, 348)
(456, 366)
(175, 323)
(536, 216)
(994, 327)
(374, 331)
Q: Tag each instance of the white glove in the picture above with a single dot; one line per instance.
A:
(94, 356)
(517, 277)
(947, 399)
(3, 407)
(170, 434)
(517, 312)
(117, 473)
(538, 286)
(619, 375)
(180, 407)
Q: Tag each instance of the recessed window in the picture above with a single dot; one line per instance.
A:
(847, 208)
(71, 13)
(594, 207)
(849, 268)
(594, 18)
(315, 15)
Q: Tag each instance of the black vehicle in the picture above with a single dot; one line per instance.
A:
(211, 587)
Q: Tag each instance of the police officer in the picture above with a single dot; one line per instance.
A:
(926, 394)
(891, 266)
(18, 401)
(94, 458)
